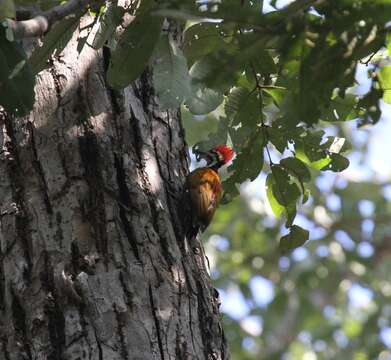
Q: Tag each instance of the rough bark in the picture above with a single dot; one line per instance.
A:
(92, 262)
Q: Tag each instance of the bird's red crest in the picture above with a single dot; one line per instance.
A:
(226, 152)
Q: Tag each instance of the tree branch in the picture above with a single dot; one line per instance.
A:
(41, 23)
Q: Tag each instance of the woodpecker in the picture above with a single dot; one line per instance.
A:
(204, 190)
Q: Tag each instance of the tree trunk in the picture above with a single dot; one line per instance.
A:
(93, 262)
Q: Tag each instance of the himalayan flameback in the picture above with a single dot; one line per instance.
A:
(204, 190)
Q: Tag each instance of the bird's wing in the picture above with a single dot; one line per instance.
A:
(205, 193)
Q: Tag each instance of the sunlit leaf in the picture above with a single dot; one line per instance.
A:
(385, 82)
(352, 327)
(296, 168)
(284, 191)
(338, 163)
(278, 94)
(277, 208)
(315, 164)
(297, 237)
(107, 25)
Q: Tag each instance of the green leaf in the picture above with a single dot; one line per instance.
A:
(277, 208)
(337, 163)
(278, 138)
(352, 327)
(387, 96)
(306, 195)
(247, 165)
(54, 42)
(211, 73)
(263, 64)
(282, 193)
(341, 109)
(277, 95)
(81, 41)
(316, 164)
(242, 107)
(290, 214)
(297, 237)
(202, 100)
(16, 78)
(297, 168)
(135, 48)
(107, 25)
(225, 65)
(170, 75)
(385, 77)
(7, 9)
(308, 149)
(201, 39)
(235, 101)
(286, 191)
(369, 108)
(385, 82)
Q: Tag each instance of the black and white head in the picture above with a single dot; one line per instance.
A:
(216, 157)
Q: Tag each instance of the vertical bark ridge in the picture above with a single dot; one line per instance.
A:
(52, 310)
(17, 189)
(124, 197)
(39, 170)
(20, 327)
(157, 323)
(92, 162)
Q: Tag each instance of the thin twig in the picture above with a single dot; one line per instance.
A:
(369, 59)
(272, 87)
